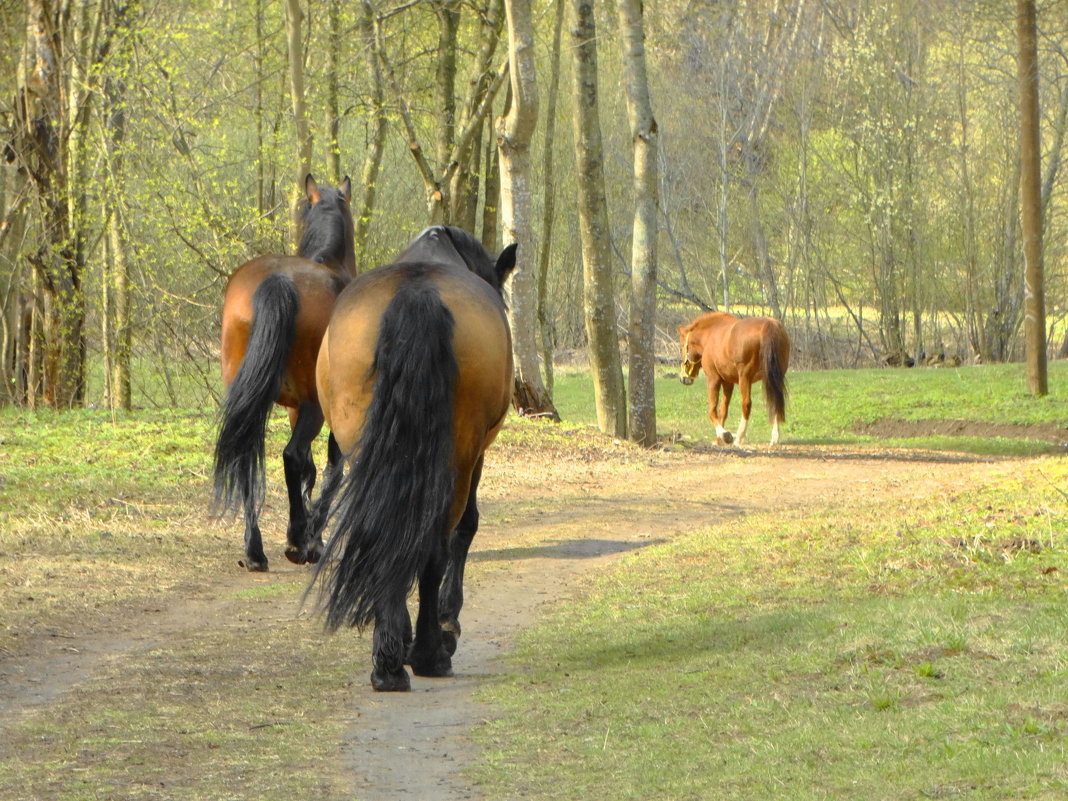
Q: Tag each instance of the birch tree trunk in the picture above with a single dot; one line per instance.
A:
(599, 304)
(644, 137)
(116, 291)
(1031, 199)
(294, 24)
(515, 130)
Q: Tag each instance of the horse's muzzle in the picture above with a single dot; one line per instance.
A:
(686, 380)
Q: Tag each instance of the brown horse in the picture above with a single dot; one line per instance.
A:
(737, 350)
(415, 373)
(274, 315)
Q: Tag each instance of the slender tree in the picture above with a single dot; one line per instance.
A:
(598, 292)
(1031, 198)
(548, 215)
(304, 144)
(644, 137)
(515, 130)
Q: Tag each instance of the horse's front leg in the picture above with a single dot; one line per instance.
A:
(452, 589)
(320, 510)
(718, 413)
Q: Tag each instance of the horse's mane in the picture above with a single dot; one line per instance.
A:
(324, 240)
(467, 247)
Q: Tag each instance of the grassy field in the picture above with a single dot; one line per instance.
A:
(824, 407)
(886, 651)
(912, 652)
(894, 649)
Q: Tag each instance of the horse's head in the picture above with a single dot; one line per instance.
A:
(328, 227)
(691, 356)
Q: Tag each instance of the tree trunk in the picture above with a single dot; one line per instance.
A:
(1031, 199)
(376, 144)
(117, 339)
(40, 144)
(333, 148)
(294, 24)
(465, 183)
(515, 130)
(598, 291)
(491, 237)
(644, 136)
(548, 172)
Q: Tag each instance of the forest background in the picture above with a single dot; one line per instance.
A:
(851, 167)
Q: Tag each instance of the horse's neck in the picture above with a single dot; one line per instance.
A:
(338, 256)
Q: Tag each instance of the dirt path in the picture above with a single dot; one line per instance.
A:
(545, 527)
(518, 565)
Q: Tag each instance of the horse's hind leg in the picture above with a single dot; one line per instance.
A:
(717, 411)
(428, 655)
(388, 673)
(300, 478)
(452, 589)
(746, 388)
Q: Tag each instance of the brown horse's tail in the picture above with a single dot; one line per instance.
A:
(776, 349)
(393, 507)
(239, 473)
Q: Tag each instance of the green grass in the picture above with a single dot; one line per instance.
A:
(902, 653)
(824, 407)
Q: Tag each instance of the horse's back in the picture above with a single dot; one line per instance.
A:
(317, 286)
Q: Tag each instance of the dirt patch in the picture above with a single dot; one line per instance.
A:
(549, 519)
(894, 428)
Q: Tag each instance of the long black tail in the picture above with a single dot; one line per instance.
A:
(239, 473)
(393, 507)
(774, 374)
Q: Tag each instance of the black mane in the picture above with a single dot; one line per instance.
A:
(326, 225)
(456, 244)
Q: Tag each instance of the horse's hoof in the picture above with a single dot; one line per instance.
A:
(450, 636)
(253, 565)
(391, 682)
(296, 555)
(438, 666)
(726, 439)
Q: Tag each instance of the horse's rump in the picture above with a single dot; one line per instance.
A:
(415, 376)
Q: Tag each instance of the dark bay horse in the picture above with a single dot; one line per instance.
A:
(737, 350)
(274, 315)
(415, 374)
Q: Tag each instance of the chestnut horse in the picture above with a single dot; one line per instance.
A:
(415, 373)
(737, 350)
(274, 314)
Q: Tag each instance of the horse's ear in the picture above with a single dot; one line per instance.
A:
(345, 188)
(311, 189)
(505, 263)
(682, 330)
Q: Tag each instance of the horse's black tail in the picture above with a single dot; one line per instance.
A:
(239, 472)
(775, 340)
(393, 507)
